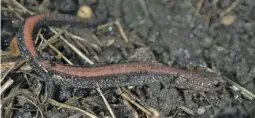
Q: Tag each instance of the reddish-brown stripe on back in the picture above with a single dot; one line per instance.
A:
(113, 69)
(28, 32)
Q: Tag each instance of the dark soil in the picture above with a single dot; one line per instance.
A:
(174, 32)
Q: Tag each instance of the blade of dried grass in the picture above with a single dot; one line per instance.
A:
(53, 102)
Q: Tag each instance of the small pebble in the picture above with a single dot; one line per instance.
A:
(227, 20)
(85, 12)
(201, 110)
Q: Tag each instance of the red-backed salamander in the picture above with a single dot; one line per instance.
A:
(114, 75)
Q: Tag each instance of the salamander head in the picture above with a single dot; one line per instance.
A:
(202, 82)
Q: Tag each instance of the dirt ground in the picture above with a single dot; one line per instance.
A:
(217, 35)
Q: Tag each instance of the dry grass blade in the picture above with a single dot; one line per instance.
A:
(130, 108)
(125, 96)
(82, 39)
(34, 76)
(120, 28)
(56, 50)
(229, 9)
(154, 112)
(72, 99)
(117, 23)
(145, 10)
(5, 65)
(130, 94)
(22, 7)
(53, 102)
(33, 104)
(106, 103)
(8, 71)
(77, 51)
(105, 25)
(187, 110)
(51, 40)
(18, 15)
(9, 99)
(246, 92)
(5, 53)
(6, 85)
(199, 6)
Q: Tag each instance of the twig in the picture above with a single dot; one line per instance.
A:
(106, 103)
(20, 64)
